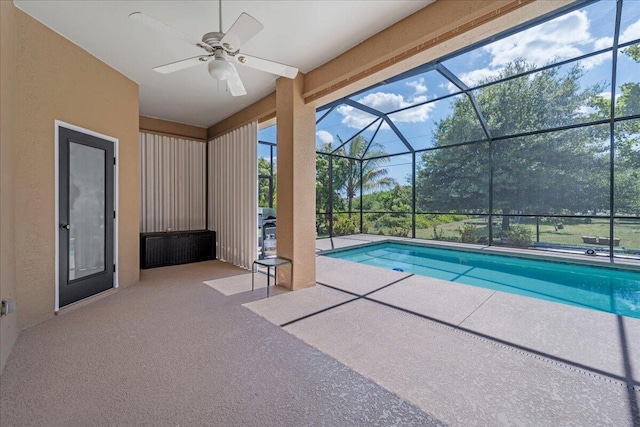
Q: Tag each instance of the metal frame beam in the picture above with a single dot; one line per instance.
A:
(384, 117)
(491, 139)
(612, 126)
(361, 131)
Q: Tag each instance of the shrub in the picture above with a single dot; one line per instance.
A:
(518, 236)
(344, 225)
(468, 233)
(438, 234)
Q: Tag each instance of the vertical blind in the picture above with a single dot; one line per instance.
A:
(233, 194)
(172, 179)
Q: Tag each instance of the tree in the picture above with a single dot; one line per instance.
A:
(628, 104)
(322, 182)
(396, 199)
(264, 169)
(626, 141)
(374, 176)
(346, 174)
(552, 173)
(388, 209)
(627, 144)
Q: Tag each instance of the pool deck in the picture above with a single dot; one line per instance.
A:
(467, 355)
(342, 242)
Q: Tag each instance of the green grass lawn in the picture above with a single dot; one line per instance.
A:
(570, 234)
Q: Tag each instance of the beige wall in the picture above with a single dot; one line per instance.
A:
(8, 324)
(57, 80)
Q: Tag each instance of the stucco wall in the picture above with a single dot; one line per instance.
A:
(57, 80)
(8, 324)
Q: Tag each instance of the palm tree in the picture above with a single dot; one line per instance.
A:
(374, 176)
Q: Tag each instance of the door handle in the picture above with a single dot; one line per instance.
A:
(65, 226)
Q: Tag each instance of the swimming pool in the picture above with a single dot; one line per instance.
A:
(599, 288)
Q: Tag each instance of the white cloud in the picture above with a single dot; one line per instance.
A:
(585, 110)
(593, 61)
(418, 86)
(476, 76)
(354, 117)
(565, 37)
(559, 38)
(632, 32)
(413, 115)
(603, 43)
(324, 137)
(383, 101)
(605, 95)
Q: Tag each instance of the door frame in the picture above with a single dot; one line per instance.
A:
(57, 125)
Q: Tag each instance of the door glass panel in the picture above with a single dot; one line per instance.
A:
(86, 210)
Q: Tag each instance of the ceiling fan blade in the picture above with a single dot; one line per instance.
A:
(181, 65)
(245, 27)
(164, 28)
(235, 84)
(266, 65)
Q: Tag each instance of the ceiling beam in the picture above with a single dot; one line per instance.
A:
(172, 128)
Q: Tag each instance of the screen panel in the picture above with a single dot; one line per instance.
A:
(563, 172)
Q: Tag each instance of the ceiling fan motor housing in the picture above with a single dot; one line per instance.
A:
(213, 39)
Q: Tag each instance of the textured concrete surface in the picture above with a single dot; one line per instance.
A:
(238, 284)
(357, 278)
(338, 243)
(294, 305)
(368, 237)
(447, 301)
(586, 337)
(172, 352)
(351, 240)
(461, 379)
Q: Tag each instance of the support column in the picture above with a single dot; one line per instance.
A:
(296, 195)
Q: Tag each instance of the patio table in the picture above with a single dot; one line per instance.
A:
(274, 262)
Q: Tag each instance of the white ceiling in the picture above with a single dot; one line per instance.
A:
(303, 33)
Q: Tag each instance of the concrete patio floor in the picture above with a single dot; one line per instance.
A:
(467, 355)
(172, 351)
(193, 345)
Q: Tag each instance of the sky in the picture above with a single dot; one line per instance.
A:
(566, 37)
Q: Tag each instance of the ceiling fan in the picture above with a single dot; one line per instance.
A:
(222, 50)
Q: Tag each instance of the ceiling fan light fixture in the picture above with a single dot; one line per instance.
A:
(220, 69)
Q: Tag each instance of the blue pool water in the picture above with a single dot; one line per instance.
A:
(598, 288)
